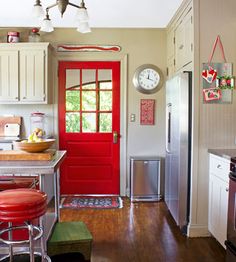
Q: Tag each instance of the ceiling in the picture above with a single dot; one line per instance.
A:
(102, 13)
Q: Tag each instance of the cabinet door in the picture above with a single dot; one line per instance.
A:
(9, 91)
(5, 146)
(170, 67)
(188, 38)
(32, 76)
(170, 52)
(170, 44)
(184, 41)
(218, 208)
(179, 46)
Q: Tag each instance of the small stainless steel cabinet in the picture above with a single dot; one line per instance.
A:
(145, 178)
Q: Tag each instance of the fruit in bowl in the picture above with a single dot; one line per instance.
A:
(36, 135)
(34, 146)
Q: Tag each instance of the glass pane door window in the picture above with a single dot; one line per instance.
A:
(88, 100)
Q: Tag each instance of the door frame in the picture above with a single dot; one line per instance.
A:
(102, 56)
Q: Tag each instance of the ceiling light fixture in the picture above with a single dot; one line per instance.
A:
(81, 15)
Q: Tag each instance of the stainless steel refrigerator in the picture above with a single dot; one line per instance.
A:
(178, 147)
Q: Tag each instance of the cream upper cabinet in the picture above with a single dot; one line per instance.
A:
(32, 75)
(170, 51)
(218, 197)
(180, 41)
(9, 70)
(24, 73)
(184, 41)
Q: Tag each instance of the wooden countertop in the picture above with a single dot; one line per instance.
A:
(32, 167)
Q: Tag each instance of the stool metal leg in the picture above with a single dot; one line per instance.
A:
(42, 250)
(41, 241)
(31, 242)
(10, 246)
(44, 256)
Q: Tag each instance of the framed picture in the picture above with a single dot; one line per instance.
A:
(147, 111)
(225, 82)
(211, 94)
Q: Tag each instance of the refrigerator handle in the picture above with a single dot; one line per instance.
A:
(168, 126)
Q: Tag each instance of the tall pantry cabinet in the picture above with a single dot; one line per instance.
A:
(180, 40)
(25, 73)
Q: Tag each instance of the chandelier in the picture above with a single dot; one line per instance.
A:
(81, 15)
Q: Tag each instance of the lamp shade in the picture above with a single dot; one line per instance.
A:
(47, 26)
(84, 27)
(38, 11)
(82, 15)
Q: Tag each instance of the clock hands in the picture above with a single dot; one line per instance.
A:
(148, 78)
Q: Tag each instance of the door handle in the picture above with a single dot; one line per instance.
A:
(168, 127)
(115, 137)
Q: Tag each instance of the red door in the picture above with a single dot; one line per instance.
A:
(89, 126)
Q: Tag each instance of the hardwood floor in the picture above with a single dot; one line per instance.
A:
(142, 232)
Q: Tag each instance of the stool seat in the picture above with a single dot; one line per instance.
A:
(23, 206)
(7, 183)
(18, 205)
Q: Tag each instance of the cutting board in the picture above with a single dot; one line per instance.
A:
(13, 155)
(5, 120)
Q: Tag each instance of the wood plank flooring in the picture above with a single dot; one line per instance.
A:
(142, 232)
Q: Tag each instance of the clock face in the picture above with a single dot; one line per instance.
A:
(148, 79)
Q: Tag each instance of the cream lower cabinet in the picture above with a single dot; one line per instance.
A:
(5, 146)
(24, 73)
(218, 197)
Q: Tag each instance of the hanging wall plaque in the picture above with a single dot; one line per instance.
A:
(223, 69)
(147, 109)
(217, 78)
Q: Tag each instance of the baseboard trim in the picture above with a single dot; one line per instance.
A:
(196, 230)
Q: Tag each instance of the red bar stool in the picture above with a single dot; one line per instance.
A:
(22, 206)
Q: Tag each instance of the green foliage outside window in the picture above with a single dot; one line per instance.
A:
(89, 118)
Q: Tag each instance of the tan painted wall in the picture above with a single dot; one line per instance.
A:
(141, 46)
(217, 126)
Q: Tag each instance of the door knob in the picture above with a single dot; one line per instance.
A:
(115, 137)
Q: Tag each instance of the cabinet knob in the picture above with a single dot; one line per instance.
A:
(227, 189)
(219, 166)
(181, 47)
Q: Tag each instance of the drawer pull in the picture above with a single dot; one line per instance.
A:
(219, 166)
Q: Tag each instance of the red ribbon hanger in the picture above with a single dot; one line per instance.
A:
(217, 41)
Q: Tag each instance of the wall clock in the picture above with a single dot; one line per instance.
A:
(148, 79)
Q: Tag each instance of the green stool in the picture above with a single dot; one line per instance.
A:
(70, 237)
